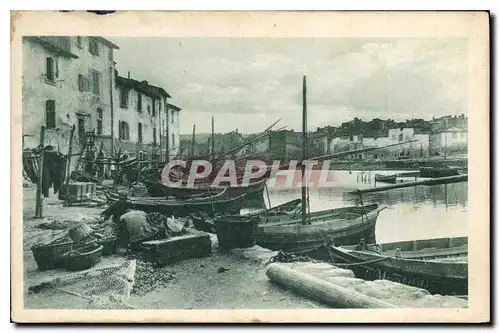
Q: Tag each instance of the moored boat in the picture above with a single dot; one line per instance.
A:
(391, 179)
(438, 265)
(288, 208)
(438, 172)
(344, 226)
(221, 203)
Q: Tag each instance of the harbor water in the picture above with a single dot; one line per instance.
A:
(419, 212)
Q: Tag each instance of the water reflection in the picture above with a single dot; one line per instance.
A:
(413, 213)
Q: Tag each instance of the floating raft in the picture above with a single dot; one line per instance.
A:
(339, 288)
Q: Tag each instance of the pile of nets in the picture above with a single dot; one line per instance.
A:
(105, 287)
(283, 256)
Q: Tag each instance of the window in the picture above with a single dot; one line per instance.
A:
(173, 116)
(79, 41)
(81, 83)
(154, 136)
(50, 69)
(154, 108)
(139, 132)
(139, 102)
(159, 105)
(123, 98)
(149, 109)
(50, 114)
(96, 82)
(110, 54)
(93, 47)
(99, 121)
(400, 137)
(81, 128)
(123, 131)
(166, 106)
(173, 140)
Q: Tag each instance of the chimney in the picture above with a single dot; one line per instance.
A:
(129, 75)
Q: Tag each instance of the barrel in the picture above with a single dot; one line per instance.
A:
(236, 231)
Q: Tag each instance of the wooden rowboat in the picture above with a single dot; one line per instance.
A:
(345, 226)
(220, 203)
(253, 192)
(438, 265)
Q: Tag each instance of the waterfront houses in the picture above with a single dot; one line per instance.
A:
(448, 141)
(72, 81)
(417, 144)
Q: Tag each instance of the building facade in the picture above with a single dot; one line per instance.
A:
(449, 141)
(67, 81)
(72, 81)
(417, 145)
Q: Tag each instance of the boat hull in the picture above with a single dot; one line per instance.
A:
(437, 172)
(181, 208)
(253, 193)
(447, 278)
(391, 179)
(296, 237)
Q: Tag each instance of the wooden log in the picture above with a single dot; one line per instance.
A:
(39, 195)
(68, 165)
(322, 290)
(428, 182)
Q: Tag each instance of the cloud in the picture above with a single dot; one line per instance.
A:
(251, 82)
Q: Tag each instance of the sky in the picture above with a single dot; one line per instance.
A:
(248, 83)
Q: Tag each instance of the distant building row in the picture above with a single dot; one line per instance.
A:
(400, 142)
(73, 81)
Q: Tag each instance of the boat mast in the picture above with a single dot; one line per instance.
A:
(192, 141)
(212, 150)
(304, 150)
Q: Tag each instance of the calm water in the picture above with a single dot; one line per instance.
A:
(412, 213)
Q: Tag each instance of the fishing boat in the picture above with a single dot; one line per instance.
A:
(220, 203)
(253, 191)
(206, 223)
(438, 265)
(346, 226)
(391, 179)
(305, 231)
(285, 209)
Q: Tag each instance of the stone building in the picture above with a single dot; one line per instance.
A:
(72, 81)
(67, 81)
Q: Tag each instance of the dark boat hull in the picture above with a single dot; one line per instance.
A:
(253, 193)
(436, 277)
(295, 237)
(181, 208)
(437, 172)
(391, 179)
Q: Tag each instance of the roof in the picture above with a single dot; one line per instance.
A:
(58, 44)
(106, 41)
(142, 86)
(174, 107)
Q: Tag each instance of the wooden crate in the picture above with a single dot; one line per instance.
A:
(78, 191)
(166, 251)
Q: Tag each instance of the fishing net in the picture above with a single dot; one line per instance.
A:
(106, 286)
